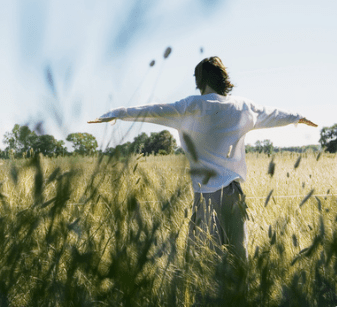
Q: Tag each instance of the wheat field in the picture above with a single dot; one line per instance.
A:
(100, 231)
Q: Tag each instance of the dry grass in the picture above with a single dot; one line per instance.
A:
(100, 232)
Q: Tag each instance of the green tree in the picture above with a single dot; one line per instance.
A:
(328, 138)
(179, 150)
(138, 145)
(258, 146)
(267, 146)
(160, 141)
(20, 139)
(123, 150)
(249, 148)
(83, 143)
(48, 145)
(162, 152)
(110, 151)
(60, 149)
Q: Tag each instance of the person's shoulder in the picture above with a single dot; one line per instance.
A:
(197, 100)
(238, 99)
(211, 97)
(243, 102)
(193, 98)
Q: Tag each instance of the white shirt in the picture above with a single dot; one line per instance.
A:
(217, 126)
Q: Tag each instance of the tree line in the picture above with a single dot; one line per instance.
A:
(266, 146)
(22, 142)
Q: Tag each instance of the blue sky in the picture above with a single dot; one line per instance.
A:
(278, 53)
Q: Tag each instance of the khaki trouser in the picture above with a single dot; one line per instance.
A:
(222, 214)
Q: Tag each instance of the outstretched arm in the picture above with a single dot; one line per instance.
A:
(164, 114)
(266, 117)
(307, 122)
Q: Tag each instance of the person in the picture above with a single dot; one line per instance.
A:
(212, 128)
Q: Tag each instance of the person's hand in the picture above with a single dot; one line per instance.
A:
(98, 120)
(95, 121)
(307, 122)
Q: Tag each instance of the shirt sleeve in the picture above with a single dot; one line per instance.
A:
(170, 115)
(266, 117)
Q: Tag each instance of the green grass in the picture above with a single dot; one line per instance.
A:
(100, 232)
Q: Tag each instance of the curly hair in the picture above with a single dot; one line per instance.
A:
(212, 72)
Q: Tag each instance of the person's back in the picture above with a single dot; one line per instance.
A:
(216, 125)
(212, 128)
